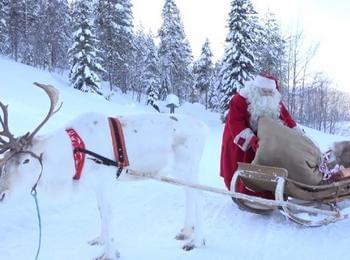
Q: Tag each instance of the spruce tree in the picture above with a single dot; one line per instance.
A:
(4, 17)
(239, 60)
(57, 34)
(174, 53)
(85, 65)
(114, 22)
(214, 93)
(124, 43)
(203, 72)
(138, 65)
(30, 11)
(151, 75)
(16, 27)
(270, 47)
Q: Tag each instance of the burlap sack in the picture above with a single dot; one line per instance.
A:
(287, 148)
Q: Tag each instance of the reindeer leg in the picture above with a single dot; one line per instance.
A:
(193, 220)
(187, 230)
(109, 252)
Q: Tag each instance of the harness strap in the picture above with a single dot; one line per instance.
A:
(79, 158)
(100, 159)
(119, 147)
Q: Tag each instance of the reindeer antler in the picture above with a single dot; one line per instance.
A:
(6, 138)
(52, 92)
(8, 141)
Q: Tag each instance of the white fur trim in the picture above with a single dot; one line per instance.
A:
(262, 82)
(247, 134)
(244, 92)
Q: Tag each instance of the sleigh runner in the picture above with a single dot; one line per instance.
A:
(309, 205)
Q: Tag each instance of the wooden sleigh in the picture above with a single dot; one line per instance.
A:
(304, 204)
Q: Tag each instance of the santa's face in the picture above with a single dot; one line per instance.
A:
(262, 102)
(266, 92)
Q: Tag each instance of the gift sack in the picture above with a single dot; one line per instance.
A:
(280, 146)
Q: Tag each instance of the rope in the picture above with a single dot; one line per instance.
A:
(34, 194)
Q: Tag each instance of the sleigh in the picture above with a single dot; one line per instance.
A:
(304, 204)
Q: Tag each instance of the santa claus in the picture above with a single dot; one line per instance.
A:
(259, 97)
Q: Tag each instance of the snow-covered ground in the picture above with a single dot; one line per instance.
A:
(147, 214)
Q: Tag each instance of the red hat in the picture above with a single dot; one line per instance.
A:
(271, 77)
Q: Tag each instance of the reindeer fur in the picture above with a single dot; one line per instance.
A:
(159, 144)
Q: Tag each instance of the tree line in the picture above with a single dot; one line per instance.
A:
(96, 41)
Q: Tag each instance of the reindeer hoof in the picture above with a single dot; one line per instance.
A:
(108, 257)
(188, 246)
(98, 241)
(191, 245)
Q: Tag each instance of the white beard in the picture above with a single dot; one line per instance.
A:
(259, 106)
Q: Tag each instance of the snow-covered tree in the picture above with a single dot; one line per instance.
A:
(29, 11)
(203, 72)
(57, 34)
(239, 60)
(114, 21)
(151, 75)
(214, 93)
(4, 17)
(270, 47)
(16, 25)
(124, 42)
(138, 65)
(85, 65)
(174, 53)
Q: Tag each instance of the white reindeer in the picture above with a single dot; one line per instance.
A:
(156, 144)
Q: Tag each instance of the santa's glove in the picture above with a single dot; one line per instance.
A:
(254, 143)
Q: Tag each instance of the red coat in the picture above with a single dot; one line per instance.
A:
(237, 127)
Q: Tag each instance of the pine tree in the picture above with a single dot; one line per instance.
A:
(151, 75)
(239, 59)
(32, 21)
(214, 93)
(174, 53)
(105, 12)
(57, 34)
(203, 71)
(138, 65)
(115, 33)
(4, 17)
(124, 42)
(270, 47)
(84, 63)
(16, 27)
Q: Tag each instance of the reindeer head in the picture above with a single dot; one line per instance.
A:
(13, 148)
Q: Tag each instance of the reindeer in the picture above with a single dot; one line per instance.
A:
(156, 144)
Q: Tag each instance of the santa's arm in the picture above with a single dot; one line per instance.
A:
(237, 123)
(286, 117)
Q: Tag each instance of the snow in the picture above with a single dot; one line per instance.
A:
(172, 99)
(147, 214)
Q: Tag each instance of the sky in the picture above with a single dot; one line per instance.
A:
(323, 22)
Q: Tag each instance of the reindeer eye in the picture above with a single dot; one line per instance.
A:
(26, 161)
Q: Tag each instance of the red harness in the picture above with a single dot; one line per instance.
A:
(118, 143)
(79, 157)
